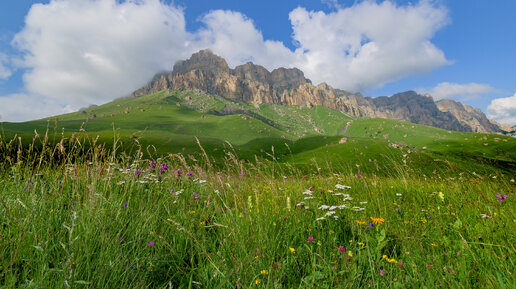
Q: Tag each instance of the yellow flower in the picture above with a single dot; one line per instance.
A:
(264, 272)
(360, 243)
(360, 222)
(441, 195)
(51, 211)
(350, 254)
(377, 221)
(434, 244)
(202, 223)
(292, 250)
(258, 281)
(384, 256)
(191, 212)
(423, 220)
(319, 242)
(391, 260)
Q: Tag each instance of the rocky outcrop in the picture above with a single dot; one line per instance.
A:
(253, 83)
(468, 116)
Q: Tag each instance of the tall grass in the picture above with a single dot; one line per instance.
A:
(77, 215)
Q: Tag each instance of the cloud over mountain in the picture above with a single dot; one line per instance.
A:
(91, 51)
(456, 91)
(503, 110)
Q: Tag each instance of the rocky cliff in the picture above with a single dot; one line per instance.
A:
(252, 83)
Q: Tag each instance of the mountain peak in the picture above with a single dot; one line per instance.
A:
(252, 83)
(204, 60)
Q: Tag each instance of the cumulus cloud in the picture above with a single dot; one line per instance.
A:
(503, 110)
(22, 107)
(5, 72)
(81, 52)
(458, 91)
(368, 44)
(234, 36)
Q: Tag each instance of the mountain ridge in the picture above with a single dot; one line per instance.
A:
(254, 84)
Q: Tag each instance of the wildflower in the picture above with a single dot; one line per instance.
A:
(288, 203)
(359, 175)
(382, 272)
(195, 195)
(124, 205)
(391, 260)
(310, 239)
(339, 186)
(429, 266)
(329, 213)
(257, 281)
(350, 254)
(501, 198)
(138, 172)
(441, 195)
(202, 223)
(152, 164)
(292, 250)
(452, 271)
(399, 194)
(319, 243)
(151, 243)
(242, 174)
(323, 207)
(190, 174)
(342, 249)
(371, 225)
(377, 221)
(191, 212)
(163, 167)
(320, 219)
(120, 239)
(360, 243)
(51, 211)
(264, 272)
(401, 264)
(179, 172)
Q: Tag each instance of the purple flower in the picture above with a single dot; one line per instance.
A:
(172, 191)
(342, 249)
(138, 172)
(124, 205)
(120, 239)
(189, 174)
(179, 172)
(151, 243)
(163, 167)
(242, 174)
(501, 198)
(359, 175)
(128, 167)
(195, 195)
(371, 225)
(152, 164)
(310, 239)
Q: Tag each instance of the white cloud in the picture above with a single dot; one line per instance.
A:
(458, 91)
(503, 110)
(368, 44)
(4, 71)
(81, 52)
(22, 107)
(233, 36)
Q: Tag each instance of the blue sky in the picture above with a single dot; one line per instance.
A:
(470, 56)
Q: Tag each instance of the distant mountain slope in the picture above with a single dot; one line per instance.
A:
(253, 84)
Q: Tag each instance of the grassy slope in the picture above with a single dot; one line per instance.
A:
(169, 121)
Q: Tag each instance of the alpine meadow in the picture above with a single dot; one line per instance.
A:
(215, 175)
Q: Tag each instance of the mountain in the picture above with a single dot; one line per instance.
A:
(254, 84)
(468, 116)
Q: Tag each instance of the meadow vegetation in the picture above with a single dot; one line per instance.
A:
(381, 204)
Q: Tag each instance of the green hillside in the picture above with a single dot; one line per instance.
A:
(170, 121)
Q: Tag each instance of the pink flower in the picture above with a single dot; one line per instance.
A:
(342, 249)
(151, 243)
(382, 272)
(452, 271)
(310, 239)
